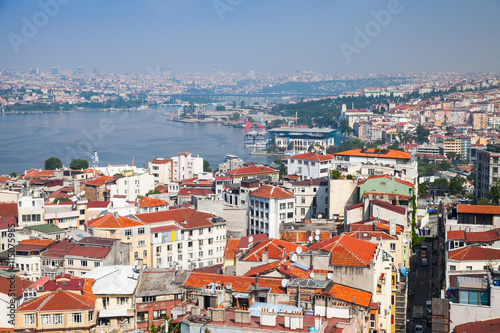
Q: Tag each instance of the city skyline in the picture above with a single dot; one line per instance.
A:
(243, 36)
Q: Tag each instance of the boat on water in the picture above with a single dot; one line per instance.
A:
(254, 139)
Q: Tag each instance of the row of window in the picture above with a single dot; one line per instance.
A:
(56, 318)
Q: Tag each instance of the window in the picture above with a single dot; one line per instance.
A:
(122, 300)
(29, 319)
(468, 268)
(190, 244)
(97, 264)
(282, 216)
(200, 232)
(393, 247)
(453, 268)
(57, 319)
(200, 254)
(210, 252)
(314, 189)
(179, 257)
(45, 319)
(140, 231)
(211, 241)
(372, 320)
(91, 316)
(290, 215)
(302, 211)
(70, 262)
(141, 243)
(201, 242)
(128, 232)
(83, 263)
(149, 299)
(158, 314)
(282, 205)
(145, 253)
(105, 301)
(290, 205)
(302, 200)
(76, 318)
(136, 255)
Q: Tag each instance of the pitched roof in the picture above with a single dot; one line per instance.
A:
(374, 224)
(368, 234)
(347, 251)
(161, 161)
(73, 284)
(231, 246)
(189, 192)
(151, 202)
(59, 300)
(271, 192)
(47, 228)
(36, 173)
(482, 237)
(112, 221)
(313, 157)
(276, 249)
(483, 326)
(185, 217)
(456, 234)
(19, 286)
(5, 222)
(98, 181)
(59, 250)
(251, 171)
(239, 283)
(89, 252)
(351, 207)
(350, 295)
(370, 152)
(262, 269)
(478, 209)
(388, 206)
(474, 253)
(387, 177)
(8, 209)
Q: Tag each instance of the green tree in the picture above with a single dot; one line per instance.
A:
(456, 186)
(451, 155)
(220, 108)
(422, 134)
(236, 116)
(155, 191)
(53, 163)
(206, 166)
(13, 174)
(63, 199)
(494, 194)
(422, 190)
(78, 164)
(335, 174)
(153, 328)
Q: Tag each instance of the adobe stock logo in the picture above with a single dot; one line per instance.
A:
(30, 28)
(223, 6)
(363, 37)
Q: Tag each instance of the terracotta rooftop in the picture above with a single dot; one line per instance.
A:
(112, 221)
(20, 285)
(474, 253)
(478, 209)
(276, 248)
(151, 202)
(388, 206)
(239, 283)
(186, 217)
(368, 234)
(231, 246)
(59, 300)
(456, 235)
(161, 161)
(99, 181)
(350, 295)
(189, 192)
(36, 173)
(482, 237)
(370, 152)
(271, 192)
(347, 251)
(483, 326)
(313, 157)
(8, 209)
(252, 171)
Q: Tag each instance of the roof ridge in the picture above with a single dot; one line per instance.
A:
(49, 297)
(348, 250)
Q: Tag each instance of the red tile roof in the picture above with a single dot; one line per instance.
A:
(186, 217)
(456, 234)
(347, 251)
(8, 209)
(361, 204)
(350, 295)
(59, 250)
(262, 269)
(231, 246)
(245, 241)
(36, 173)
(169, 227)
(59, 300)
(189, 192)
(374, 224)
(370, 152)
(483, 326)
(474, 253)
(478, 209)
(99, 181)
(482, 237)
(19, 286)
(112, 221)
(368, 234)
(97, 204)
(5, 222)
(271, 192)
(239, 283)
(151, 202)
(253, 170)
(161, 161)
(89, 252)
(73, 284)
(276, 249)
(313, 157)
(388, 206)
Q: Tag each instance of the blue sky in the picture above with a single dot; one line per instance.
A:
(261, 35)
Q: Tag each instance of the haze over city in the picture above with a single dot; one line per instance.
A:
(257, 35)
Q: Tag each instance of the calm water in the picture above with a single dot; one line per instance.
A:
(27, 140)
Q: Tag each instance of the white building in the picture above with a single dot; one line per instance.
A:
(311, 165)
(30, 211)
(184, 166)
(269, 206)
(311, 199)
(161, 169)
(132, 185)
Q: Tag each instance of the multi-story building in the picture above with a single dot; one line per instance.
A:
(30, 211)
(161, 169)
(479, 120)
(184, 166)
(310, 165)
(252, 172)
(300, 139)
(487, 169)
(28, 257)
(311, 199)
(131, 185)
(268, 208)
(231, 162)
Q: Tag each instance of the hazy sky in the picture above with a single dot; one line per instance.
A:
(244, 35)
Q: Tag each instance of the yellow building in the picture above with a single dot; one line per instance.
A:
(479, 121)
(57, 311)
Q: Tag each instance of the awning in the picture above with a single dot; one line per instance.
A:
(241, 296)
(114, 313)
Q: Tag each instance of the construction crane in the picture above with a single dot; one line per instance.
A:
(93, 158)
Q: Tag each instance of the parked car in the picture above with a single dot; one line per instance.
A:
(419, 329)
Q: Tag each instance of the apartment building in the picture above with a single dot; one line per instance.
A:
(310, 165)
(184, 166)
(479, 120)
(311, 199)
(487, 169)
(30, 211)
(161, 169)
(268, 208)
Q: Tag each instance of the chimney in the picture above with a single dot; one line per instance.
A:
(265, 255)
(257, 280)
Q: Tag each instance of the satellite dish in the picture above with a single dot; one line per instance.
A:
(250, 239)
(311, 275)
(316, 238)
(311, 238)
(317, 232)
(299, 250)
(320, 216)
(293, 257)
(74, 199)
(284, 283)
(329, 276)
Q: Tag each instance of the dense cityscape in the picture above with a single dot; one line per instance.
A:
(249, 166)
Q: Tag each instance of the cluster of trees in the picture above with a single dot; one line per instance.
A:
(426, 168)
(352, 144)
(442, 186)
(53, 163)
